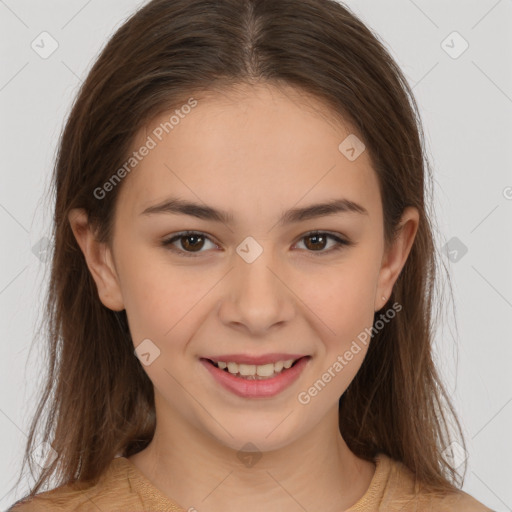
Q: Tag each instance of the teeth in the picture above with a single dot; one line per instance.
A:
(253, 370)
(247, 369)
(264, 370)
(232, 367)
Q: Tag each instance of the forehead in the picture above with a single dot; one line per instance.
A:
(248, 148)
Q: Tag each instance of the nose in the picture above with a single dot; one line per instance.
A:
(257, 296)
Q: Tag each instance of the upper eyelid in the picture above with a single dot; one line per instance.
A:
(180, 234)
(176, 236)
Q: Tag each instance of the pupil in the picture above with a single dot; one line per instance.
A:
(316, 239)
(194, 244)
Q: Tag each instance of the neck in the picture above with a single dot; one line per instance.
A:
(315, 472)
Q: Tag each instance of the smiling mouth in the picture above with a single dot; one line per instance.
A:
(255, 372)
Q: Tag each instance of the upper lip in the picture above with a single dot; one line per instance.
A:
(256, 360)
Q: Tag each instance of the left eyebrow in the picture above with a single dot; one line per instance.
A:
(294, 215)
(321, 210)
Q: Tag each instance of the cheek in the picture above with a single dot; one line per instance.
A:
(164, 303)
(344, 309)
(161, 299)
(152, 295)
(341, 298)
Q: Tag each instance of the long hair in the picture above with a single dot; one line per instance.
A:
(97, 401)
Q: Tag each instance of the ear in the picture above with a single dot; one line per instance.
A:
(395, 256)
(99, 260)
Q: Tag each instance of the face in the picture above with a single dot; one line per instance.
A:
(263, 279)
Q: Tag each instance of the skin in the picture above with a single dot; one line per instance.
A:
(254, 151)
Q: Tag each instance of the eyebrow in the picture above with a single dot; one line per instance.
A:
(202, 211)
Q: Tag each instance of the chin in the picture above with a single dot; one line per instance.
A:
(259, 436)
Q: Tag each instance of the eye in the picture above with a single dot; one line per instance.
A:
(192, 242)
(318, 241)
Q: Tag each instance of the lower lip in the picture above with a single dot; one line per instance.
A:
(256, 388)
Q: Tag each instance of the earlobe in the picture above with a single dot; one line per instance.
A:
(395, 257)
(99, 260)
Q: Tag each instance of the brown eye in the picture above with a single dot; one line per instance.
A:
(190, 244)
(317, 241)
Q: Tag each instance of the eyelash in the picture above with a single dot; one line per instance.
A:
(340, 243)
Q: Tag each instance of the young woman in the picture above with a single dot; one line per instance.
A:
(240, 306)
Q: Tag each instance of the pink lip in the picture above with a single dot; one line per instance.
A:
(259, 360)
(257, 388)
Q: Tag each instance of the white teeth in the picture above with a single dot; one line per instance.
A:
(232, 367)
(247, 369)
(278, 366)
(265, 370)
(253, 370)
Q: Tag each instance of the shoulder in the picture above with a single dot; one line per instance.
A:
(405, 491)
(59, 500)
(458, 501)
(111, 492)
(463, 502)
(394, 488)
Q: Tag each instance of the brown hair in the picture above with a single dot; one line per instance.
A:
(98, 401)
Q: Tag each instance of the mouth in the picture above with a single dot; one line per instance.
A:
(255, 371)
(256, 381)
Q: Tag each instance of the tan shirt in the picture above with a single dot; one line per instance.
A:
(124, 488)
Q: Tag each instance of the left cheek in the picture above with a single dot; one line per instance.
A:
(342, 300)
(346, 314)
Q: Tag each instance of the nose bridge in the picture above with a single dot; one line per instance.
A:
(253, 273)
(256, 274)
(258, 299)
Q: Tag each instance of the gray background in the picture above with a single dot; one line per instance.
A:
(466, 106)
